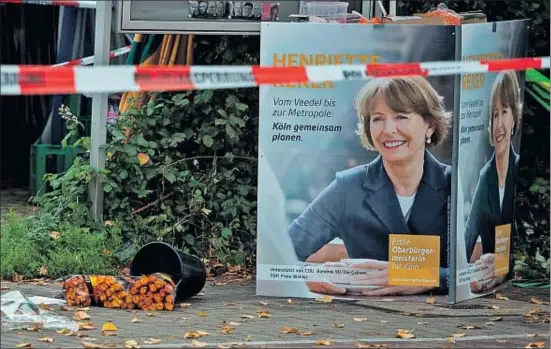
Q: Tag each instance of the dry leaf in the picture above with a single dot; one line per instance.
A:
(458, 335)
(365, 346)
(531, 335)
(152, 314)
(227, 330)
(43, 271)
(264, 316)
(80, 335)
(23, 345)
(260, 311)
(336, 325)
(131, 344)
(108, 327)
(536, 345)
(83, 309)
(135, 320)
(305, 333)
(383, 321)
(359, 319)
(185, 305)
(249, 338)
(220, 346)
(490, 323)
(4, 288)
(91, 345)
(450, 340)
(195, 334)
(35, 327)
(197, 344)
(289, 301)
(495, 307)
(46, 339)
(536, 300)
(501, 297)
(247, 317)
(81, 315)
(497, 318)
(86, 326)
(287, 330)
(325, 299)
(422, 323)
(468, 327)
(430, 300)
(323, 342)
(233, 323)
(263, 303)
(65, 308)
(54, 235)
(405, 334)
(220, 283)
(152, 341)
(202, 314)
(63, 331)
(237, 344)
(143, 158)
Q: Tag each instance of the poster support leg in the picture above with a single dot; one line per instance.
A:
(99, 107)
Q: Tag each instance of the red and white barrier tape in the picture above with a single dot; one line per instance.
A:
(90, 59)
(38, 80)
(71, 3)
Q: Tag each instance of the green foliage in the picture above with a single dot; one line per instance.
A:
(179, 169)
(29, 244)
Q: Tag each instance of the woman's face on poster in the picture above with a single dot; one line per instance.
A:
(397, 136)
(502, 127)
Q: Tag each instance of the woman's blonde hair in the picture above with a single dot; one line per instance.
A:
(403, 94)
(505, 89)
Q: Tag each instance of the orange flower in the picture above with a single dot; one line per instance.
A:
(169, 306)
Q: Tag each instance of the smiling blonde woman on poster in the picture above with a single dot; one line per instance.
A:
(493, 199)
(405, 190)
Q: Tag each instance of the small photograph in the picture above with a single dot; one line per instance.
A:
(257, 10)
(208, 9)
(270, 11)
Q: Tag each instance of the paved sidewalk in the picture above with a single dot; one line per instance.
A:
(486, 322)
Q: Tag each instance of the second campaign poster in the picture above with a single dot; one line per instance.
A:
(488, 141)
(354, 183)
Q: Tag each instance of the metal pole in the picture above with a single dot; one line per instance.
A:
(392, 8)
(102, 40)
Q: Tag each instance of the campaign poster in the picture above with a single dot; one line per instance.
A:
(488, 141)
(354, 177)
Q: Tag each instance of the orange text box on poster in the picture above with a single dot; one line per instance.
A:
(502, 249)
(414, 260)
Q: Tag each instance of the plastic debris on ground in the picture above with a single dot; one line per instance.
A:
(18, 312)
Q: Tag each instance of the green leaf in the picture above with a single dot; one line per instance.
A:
(237, 121)
(226, 233)
(241, 106)
(208, 141)
(178, 137)
(123, 174)
(222, 113)
(219, 122)
(170, 176)
(230, 131)
(107, 188)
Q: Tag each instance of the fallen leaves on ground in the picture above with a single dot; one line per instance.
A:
(86, 326)
(247, 316)
(501, 297)
(83, 309)
(197, 344)
(458, 335)
(531, 335)
(305, 333)
(536, 300)
(535, 345)
(45, 307)
(46, 339)
(43, 271)
(151, 314)
(195, 334)
(450, 339)
(131, 344)
(430, 300)
(264, 316)
(289, 301)
(422, 323)
(227, 330)
(143, 158)
(63, 331)
(35, 327)
(365, 346)
(185, 305)
(323, 342)
(405, 334)
(65, 308)
(135, 320)
(152, 341)
(202, 314)
(263, 303)
(359, 319)
(325, 299)
(469, 327)
(497, 318)
(81, 315)
(287, 330)
(336, 325)
(109, 329)
(233, 323)
(495, 307)
(23, 345)
(92, 345)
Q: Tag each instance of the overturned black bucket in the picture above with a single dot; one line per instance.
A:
(188, 272)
